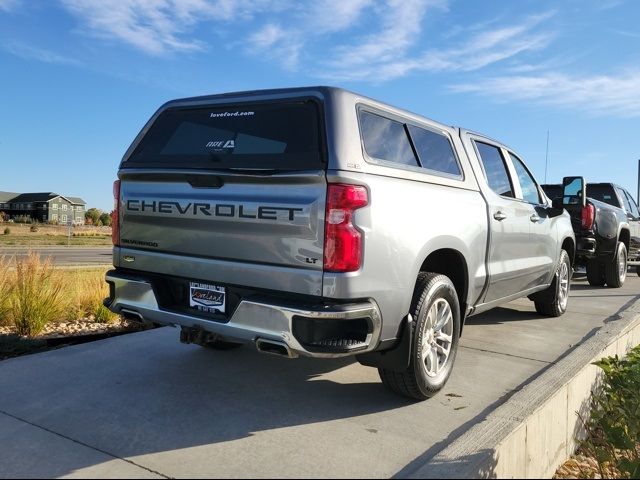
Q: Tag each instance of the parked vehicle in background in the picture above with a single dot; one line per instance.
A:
(318, 222)
(607, 228)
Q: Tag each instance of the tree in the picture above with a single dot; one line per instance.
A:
(92, 216)
(105, 219)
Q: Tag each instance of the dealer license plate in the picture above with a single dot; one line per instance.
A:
(207, 298)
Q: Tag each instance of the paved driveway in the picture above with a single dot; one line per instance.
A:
(145, 405)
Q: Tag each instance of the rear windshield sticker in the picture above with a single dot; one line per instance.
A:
(221, 144)
(231, 114)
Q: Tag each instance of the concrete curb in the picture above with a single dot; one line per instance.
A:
(533, 433)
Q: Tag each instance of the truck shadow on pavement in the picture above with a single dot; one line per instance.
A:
(146, 393)
(500, 315)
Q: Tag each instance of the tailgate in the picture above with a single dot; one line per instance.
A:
(275, 219)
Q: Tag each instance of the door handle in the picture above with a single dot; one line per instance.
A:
(499, 216)
(534, 218)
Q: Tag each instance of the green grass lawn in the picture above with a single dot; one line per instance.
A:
(21, 235)
(34, 240)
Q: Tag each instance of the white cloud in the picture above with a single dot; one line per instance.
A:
(276, 43)
(608, 95)
(386, 59)
(401, 25)
(323, 18)
(8, 5)
(625, 33)
(34, 53)
(329, 16)
(159, 26)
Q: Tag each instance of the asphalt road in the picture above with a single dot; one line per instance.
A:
(144, 405)
(65, 255)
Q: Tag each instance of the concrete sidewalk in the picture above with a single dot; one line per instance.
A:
(144, 405)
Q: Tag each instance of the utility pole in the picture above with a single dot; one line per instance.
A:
(546, 161)
(638, 197)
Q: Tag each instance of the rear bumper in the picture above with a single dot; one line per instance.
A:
(586, 247)
(259, 318)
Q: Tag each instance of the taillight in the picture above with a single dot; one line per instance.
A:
(115, 215)
(588, 216)
(342, 240)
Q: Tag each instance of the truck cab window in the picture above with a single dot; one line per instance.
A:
(495, 169)
(528, 185)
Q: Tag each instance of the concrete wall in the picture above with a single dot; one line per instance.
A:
(536, 430)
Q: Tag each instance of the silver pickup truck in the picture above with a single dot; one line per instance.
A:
(318, 222)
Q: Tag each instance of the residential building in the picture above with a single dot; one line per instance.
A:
(45, 207)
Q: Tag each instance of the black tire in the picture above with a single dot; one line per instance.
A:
(595, 273)
(553, 301)
(415, 382)
(638, 270)
(614, 274)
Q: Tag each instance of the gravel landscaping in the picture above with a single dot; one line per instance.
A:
(61, 334)
(76, 328)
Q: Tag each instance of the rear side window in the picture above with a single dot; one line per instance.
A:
(495, 169)
(552, 191)
(634, 207)
(434, 151)
(625, 200)
(386, 139)
(248, 136)
(603, 193)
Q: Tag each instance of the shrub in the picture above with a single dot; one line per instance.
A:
(88, 290)
(37, 295)
(103, 315)
(7, 231)
(105, 219)
(6, 286)
(23, 219)
(614, 428)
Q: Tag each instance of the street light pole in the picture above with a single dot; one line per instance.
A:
(638, 197)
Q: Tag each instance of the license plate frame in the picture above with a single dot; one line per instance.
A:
(207, 297)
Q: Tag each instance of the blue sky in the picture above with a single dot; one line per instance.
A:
(79, 78)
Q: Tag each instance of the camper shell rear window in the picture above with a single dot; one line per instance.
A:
(264, 136)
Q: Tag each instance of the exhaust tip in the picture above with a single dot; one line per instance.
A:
(274, 348)
(132, 315)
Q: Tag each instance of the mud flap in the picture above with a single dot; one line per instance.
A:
(396, 358)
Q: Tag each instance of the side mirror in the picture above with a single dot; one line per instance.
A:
(557, 207)
(574, 191)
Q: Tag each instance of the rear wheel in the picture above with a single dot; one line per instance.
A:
(638, 270)
(553, 301)
(436, 328)
(615, 271)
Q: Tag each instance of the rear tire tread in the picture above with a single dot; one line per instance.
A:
(611, 272)
(405, 383)
(549, 304)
